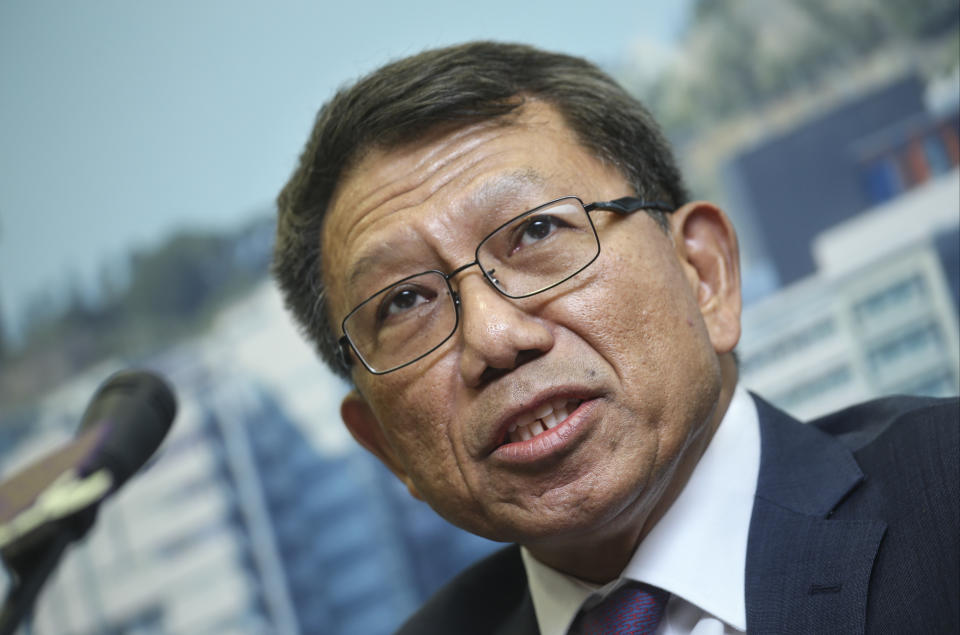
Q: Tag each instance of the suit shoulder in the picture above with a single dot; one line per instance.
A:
(912, 419)
(477, 600)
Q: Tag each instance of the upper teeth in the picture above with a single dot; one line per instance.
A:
(532, 423)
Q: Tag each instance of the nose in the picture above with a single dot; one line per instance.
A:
(497, 334)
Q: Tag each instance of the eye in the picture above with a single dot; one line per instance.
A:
(538, 228)
(403, 300)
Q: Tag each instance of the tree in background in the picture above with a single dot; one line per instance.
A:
(746, 68)
(172, 291)
(737, 55)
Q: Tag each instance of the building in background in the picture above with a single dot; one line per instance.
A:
(878, 317)
(858, 207)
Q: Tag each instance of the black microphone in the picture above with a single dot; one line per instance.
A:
(53, 501)
(138, 408)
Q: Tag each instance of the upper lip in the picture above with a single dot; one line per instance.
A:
(503, 424)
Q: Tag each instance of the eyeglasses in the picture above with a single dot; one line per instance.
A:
(532, 253)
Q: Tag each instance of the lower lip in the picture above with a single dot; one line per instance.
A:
(550, 442)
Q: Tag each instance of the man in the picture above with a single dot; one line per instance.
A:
(494, 245)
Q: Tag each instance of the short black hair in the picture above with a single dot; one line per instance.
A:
(453, 86)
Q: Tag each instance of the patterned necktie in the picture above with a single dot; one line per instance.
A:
(633, 609)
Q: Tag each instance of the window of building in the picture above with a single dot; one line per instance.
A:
(911, 161)
(939, 385)
(915, 164)
(935, 152)
(925, 338)
(786, 346)
(891, 298)
(811, 388)
(882, 180)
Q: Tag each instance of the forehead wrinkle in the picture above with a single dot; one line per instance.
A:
(488, 191)
(413, 175)
(402, 170)
(394, 177)
(366, 258)
(512, 185)
(415, 186)
(481, 192)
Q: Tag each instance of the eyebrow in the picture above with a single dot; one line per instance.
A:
(510, 185)
(364, 263)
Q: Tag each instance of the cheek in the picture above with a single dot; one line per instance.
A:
(417, 415)
(638, 310)
(648, 327)
(424, 433)
(409, 416)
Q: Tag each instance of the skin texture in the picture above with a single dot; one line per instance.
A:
(643, 335)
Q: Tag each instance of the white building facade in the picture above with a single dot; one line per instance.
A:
(879, 317)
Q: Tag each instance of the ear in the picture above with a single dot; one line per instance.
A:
(366, 429)
(707, 245)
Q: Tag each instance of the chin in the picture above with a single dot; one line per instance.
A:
(571, 523)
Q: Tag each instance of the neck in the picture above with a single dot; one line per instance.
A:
(601, 560)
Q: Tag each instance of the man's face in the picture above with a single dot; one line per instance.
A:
(623, 347)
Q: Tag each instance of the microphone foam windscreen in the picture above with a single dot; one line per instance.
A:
(138, 407)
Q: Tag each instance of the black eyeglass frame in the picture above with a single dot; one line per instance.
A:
(624, 206)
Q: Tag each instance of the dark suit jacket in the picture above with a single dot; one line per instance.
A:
(855, 528)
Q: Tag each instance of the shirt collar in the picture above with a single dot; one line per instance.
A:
(697, 551)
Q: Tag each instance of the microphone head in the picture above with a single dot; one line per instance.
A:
(138, 407)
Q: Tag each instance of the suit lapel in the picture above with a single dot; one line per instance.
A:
(805, 571)
(522, 621)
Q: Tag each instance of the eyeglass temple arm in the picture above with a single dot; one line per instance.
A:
(343, 352)
(628, 205)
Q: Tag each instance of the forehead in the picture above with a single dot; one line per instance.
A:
(425, 195)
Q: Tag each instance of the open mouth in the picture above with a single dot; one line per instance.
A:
(548, 415)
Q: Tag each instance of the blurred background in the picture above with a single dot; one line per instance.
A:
(142, 145)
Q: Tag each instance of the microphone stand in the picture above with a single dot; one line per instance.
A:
(31, 567)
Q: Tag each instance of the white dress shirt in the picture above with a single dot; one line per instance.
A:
(698, 550)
